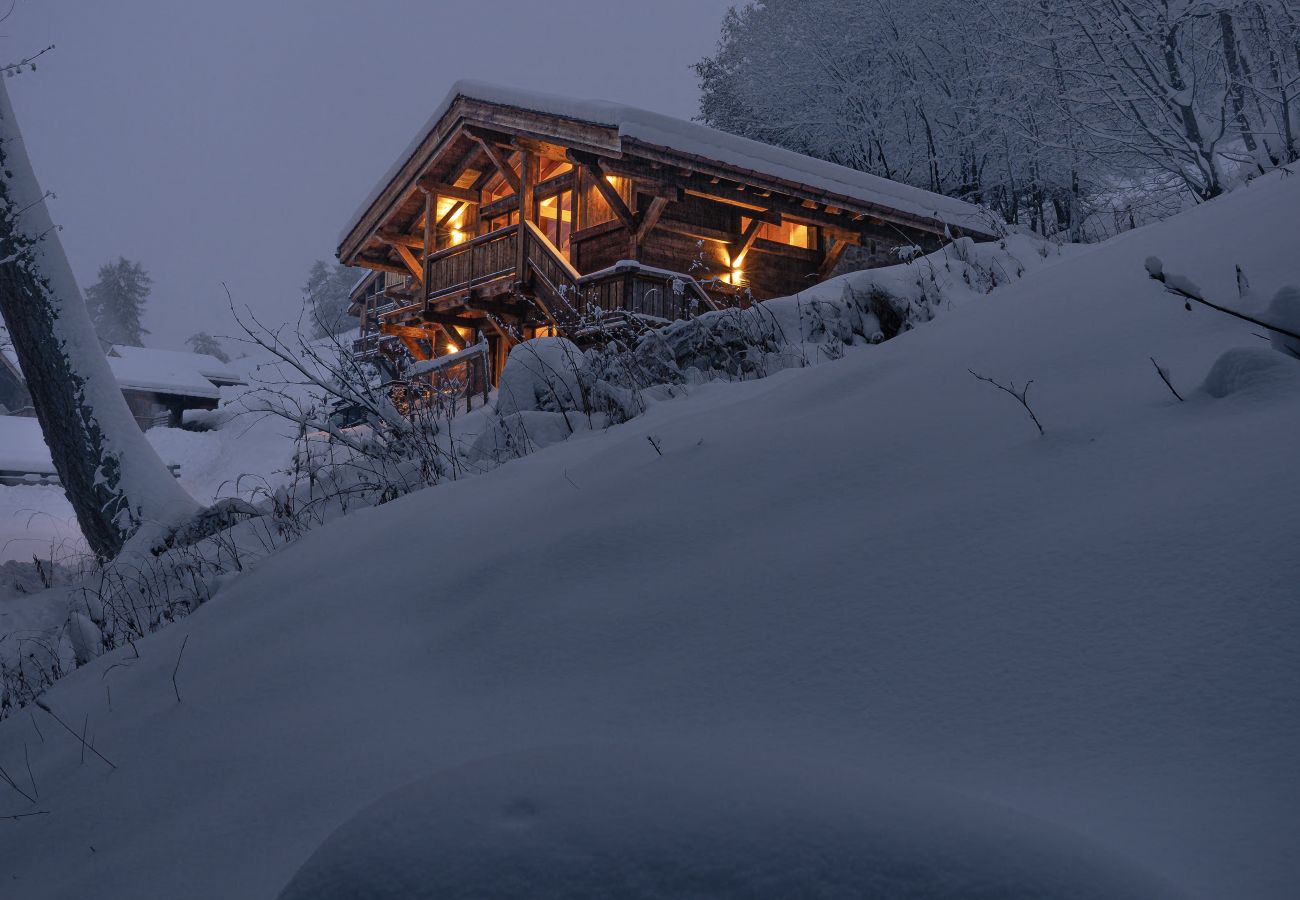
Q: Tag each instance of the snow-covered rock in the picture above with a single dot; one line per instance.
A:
(1284, 312)
(1252, 370)
(659, 823)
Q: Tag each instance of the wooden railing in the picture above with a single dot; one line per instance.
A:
(555, 283)
(560, 294)
(647, 293)
(476, 262)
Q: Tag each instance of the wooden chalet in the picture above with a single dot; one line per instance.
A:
(515, 215)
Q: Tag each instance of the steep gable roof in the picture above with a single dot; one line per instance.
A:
(630, 126)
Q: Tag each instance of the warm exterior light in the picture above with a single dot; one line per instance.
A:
(452, 348)
(457, 236)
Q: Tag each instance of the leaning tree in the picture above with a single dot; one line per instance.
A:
(116, 482)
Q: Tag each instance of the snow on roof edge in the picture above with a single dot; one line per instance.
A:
(697, 139)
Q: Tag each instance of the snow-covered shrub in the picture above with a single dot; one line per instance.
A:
(1284, 312)
(1249, 370)
(543, 374)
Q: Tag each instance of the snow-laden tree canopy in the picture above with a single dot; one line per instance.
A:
(1042, 109)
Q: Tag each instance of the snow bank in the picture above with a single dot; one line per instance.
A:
(646, 823)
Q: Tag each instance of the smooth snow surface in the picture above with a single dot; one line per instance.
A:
(701, 140)
(874, 563)
(648, 823)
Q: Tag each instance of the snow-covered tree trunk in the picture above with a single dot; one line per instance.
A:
(114, 479)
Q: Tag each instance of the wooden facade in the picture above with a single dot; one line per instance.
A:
(508, 222)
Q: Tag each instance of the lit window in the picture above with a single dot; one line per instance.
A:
(792, 234)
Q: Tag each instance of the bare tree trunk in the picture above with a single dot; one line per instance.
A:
(114, 479)
(1236, 81)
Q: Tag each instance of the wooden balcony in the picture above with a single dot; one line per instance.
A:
(493, 264)
(482, 262)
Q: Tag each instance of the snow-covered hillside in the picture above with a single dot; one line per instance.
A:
(875, 564)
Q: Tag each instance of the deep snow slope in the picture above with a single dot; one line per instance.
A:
(875, 563)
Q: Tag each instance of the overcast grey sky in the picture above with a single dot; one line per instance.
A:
(229, 141)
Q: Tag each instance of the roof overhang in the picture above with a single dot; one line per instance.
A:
(561, 125)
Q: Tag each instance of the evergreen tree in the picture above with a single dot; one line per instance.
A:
(116, 302)
(326, 294)
(204, 343)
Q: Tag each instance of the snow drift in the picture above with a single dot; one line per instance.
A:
(873, 564)
(645, 823)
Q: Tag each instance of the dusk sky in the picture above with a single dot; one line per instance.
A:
(231, 141)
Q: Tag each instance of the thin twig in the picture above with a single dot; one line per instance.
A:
(1021, 395)
(1164, 376)
(1159, 275)
(4, 776)
(27, 759)
(41, 704)
(175, 687)
(17, 816)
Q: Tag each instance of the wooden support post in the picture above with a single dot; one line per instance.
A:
(740, 249)
(527, 212)
(646, 225)
(833, 257)
(430, 226)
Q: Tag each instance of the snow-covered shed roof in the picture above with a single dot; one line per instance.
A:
(209, 367)
(632, 124)
(162, 372)
(22, 446)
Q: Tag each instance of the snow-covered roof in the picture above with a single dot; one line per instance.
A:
(699, 140)
(162, 371)
(209, 367)
(22, 446)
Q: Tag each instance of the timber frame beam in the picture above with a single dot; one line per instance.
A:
(740, 249)
(465, 195)
(592, 165)
(497, 158)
